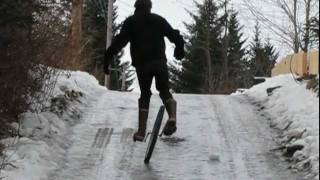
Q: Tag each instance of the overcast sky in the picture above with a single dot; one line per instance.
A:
(175, 12)
(171, 10)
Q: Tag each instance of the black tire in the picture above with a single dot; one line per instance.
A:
(154, 135)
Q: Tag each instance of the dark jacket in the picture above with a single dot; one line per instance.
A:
(146, 32)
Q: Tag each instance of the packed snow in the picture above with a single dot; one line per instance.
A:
(44, 135)
(293, 110)
(219, 137)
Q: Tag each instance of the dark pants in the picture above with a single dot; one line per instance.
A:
(145, 73)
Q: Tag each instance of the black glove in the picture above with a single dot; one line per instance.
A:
(179, 53)
(179, 50)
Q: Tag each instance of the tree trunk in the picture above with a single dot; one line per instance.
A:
(296, 44)
(226, 44)
(305, 48)
(109, 36)
(75, 39)
(209, 73)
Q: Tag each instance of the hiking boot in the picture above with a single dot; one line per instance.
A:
(171, 125)
(143, 117)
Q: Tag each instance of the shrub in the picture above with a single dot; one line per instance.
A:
(32, 37)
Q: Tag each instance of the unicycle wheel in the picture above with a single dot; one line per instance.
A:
(154, 135)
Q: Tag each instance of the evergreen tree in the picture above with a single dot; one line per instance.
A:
(17, 55)
(174, 74)
(22, 80)
(314, 27)
(228, 67)
(237, 67)
(271, 55)
(95, 33)
(201, 70)
(263, 56)
(130, 75)
(115, 73)
(94, 23)
(257, 53)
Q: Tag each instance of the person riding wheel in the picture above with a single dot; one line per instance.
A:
(146, 31)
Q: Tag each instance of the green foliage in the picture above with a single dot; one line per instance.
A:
(130, 75)
(237, 63)
(203, 69)
(94, 28)
(263, 55)
(115, 75)
(94, 32)
(204, 33)
(24, 82)
(314, 27)
(17, 56)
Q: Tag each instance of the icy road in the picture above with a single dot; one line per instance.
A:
(218, 138)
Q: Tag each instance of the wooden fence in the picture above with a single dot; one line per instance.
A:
(300, 64)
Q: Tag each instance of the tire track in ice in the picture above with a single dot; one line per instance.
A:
(246, 137)
(230, 168)
(90, 141)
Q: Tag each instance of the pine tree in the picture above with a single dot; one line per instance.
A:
(236, 53)
(118, 67)
(314, 27)
(257, 53)
(130, 75)
(228, 68)
(263, 56)
(95, 32)
(95, 35)
(272, 56)
(201, 70)
(174, 67)
(21, 77)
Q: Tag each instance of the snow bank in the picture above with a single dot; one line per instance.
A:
(45, 135)
(295, 111)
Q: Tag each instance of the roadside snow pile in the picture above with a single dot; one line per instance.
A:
(44, 136)
(293, 110)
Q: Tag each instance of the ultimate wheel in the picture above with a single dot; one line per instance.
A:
(154, 135)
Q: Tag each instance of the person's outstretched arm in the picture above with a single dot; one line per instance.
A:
(119, 42)
(175, 37)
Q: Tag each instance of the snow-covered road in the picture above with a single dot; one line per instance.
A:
(218, 138)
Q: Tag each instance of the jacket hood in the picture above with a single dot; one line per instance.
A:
(143, 6)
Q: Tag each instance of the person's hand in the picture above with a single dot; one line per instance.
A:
(179, 53)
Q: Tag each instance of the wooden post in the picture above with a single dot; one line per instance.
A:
(123, 78)
(76, 26)
(109, 35)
